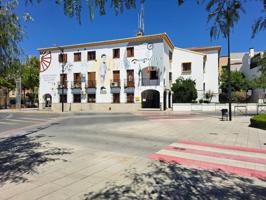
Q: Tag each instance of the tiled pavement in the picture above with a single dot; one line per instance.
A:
(77, 169)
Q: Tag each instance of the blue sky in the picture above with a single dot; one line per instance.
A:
(185, 25)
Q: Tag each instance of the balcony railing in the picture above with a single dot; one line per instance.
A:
(129, 83)
(62, 84)
(150, 82)
(76, 84)
(115, 83)
(91, 84)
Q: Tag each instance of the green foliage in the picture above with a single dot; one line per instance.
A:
(184, 91)
(11, 33)
(260, 82)
(224, 14)
(10, 74)
(238, 82)
(258, 121)
(209, 95)
(30, 73)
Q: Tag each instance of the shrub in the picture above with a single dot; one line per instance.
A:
(258, 121)
(201, 101)
(184, 91)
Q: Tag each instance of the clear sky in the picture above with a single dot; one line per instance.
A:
(186, 26)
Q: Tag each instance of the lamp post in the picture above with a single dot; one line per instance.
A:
(63, 71)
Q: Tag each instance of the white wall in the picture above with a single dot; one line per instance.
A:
(211, 74)
(180, 56)
(144, 56)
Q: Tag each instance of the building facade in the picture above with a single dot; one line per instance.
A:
(123, 75)
(244, 62)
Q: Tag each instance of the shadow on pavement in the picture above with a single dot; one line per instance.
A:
(22, 155)
(171, 181)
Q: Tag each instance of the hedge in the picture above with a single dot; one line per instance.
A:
(258, 121)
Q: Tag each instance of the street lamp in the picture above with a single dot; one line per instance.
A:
(63, 71)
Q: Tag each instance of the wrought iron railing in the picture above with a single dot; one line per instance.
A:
(150, 82)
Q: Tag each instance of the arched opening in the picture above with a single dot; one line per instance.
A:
(47, 100)
(150, 99)
(164, 100)
(169, 100)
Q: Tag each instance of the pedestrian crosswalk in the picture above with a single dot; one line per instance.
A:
(231, 159)
(23, 120)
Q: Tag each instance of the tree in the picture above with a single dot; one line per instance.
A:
(260, 23)
(238, 82)
(239, 85)
(11, 33)
(260, 81)
(8, 77)
(30, 76)
(184, 91)
(224, 15)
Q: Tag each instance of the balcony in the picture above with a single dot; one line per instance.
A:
(76, 87)
(150, 82)
(62, 87)
(129, 83)
(62, 84)
(91, 87)
(115, 83)
(115, 86)
(76, 84)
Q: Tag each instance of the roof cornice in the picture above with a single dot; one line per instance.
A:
(162, 36)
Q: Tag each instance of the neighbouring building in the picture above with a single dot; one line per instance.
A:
(245, 62)
(124, 74)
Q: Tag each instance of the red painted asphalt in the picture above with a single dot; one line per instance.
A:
(253, 156)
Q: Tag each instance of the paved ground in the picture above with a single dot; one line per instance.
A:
(107, 156)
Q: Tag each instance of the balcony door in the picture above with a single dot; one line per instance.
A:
(77, 80)
(116, 78)
(91, 79)
(63, 80)
(130, 78)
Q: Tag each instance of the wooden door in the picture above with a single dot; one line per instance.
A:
(77, 79)
(63, 80)
(130, 78)
(92, 79)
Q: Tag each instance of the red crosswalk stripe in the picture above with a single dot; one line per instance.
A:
(230, 159)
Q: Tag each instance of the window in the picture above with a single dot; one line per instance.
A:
(130, 98)
(170, 56)
(76, 98)
(186, 68)
(63, 98)
(77, 80)
(116, 53)
(170, 76)
(116, 98)
(91, 55)
(63, 80)
(91, 79)
(91, 98)
(77, 57)
(130, 52)
(62, 58)
(153, 75)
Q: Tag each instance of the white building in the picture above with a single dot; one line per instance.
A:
(244, 62)
(125, 74)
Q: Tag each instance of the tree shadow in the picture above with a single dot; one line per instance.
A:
(21, 155)
(172, 181)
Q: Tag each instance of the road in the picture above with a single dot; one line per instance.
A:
(17, 120)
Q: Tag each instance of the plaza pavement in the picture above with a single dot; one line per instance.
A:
(111, 156)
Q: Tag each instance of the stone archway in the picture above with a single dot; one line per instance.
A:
(47, 100)
(150, 99)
